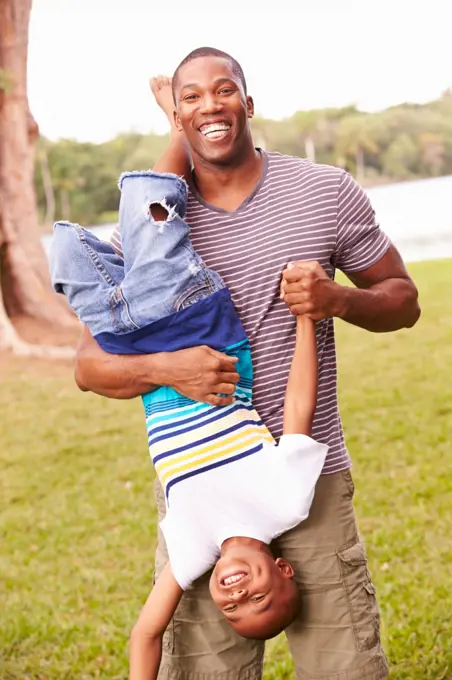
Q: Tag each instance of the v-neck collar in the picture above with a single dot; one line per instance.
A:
(246, 201)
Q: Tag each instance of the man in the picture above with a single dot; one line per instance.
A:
(251, 213)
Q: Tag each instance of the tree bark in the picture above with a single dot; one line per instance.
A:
(24, 273)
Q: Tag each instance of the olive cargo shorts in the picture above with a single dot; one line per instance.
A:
(336, 636)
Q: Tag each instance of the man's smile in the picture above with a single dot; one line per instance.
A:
(215, 130)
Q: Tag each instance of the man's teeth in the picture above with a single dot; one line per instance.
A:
(229, 580)
(215, 130)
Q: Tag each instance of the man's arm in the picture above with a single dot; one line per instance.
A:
(112, 375)
(385, 298)
(146, 638)
(199, 373)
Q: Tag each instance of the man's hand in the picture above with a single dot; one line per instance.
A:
(384, 300)
(307, 289)
(200, 373)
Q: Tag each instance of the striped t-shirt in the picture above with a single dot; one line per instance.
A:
(189, 438)
(297, 211)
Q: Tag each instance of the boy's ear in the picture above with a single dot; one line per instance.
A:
(250, 106)
(285, 568)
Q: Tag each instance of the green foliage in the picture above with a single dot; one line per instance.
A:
(77, 514)
(403, 142)
(399, 159)
(85, 175)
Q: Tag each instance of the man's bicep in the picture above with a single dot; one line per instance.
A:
(87, 344)
(87, 351)
(85, 338)
(389, 266)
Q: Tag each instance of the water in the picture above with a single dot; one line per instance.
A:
(417, 216)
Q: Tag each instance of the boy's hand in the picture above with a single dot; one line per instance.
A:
(200, 373)
(307, 289)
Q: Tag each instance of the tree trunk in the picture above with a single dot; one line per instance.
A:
(25, 280)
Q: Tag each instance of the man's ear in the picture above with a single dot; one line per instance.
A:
(177, 121)
(285, 568)
(250, 106)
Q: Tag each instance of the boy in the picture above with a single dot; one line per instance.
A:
(229, 489)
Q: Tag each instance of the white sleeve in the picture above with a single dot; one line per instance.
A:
(190, 551)
(303, 459)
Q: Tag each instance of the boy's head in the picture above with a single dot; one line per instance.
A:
(255, 592)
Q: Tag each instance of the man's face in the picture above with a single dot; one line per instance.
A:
(213, 110)
(253, 591)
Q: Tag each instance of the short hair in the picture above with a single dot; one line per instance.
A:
(210, 52)
(278, 625)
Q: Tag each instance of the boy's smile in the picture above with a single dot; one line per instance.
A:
(253, 590)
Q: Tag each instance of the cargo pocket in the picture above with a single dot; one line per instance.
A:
(168, 639)
(361, 596)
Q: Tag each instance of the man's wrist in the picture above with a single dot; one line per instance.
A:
(350, 300)
(159, 369)
(342, 301)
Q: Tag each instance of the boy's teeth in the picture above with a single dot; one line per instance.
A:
(229, 580)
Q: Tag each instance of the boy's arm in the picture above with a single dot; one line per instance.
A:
(146, 638)
(301, 392)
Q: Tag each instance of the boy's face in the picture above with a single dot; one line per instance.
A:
(255, 592)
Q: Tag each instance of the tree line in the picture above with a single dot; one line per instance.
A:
(78, 181)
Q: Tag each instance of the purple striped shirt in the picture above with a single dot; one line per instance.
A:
(297, 211)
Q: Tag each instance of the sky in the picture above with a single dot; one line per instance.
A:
(90, 60)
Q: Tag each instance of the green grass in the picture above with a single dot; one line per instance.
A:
(77, 515)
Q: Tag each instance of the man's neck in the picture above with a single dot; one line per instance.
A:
(227, 186)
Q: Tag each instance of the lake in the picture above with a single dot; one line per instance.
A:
(417, 216)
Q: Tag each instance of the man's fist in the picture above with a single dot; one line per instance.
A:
(307, 289)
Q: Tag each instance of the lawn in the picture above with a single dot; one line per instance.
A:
(77, 516)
